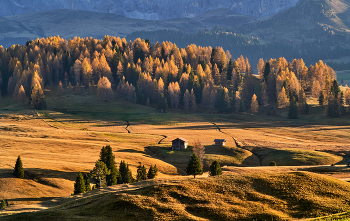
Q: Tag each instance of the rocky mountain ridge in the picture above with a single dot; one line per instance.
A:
(149, 9)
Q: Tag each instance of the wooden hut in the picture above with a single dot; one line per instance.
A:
(220, 142)
(179, 144)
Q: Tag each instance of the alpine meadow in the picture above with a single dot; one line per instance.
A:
(199, 110)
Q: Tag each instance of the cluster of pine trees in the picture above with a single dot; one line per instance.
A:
(194, 167)
(160, 75)
(106, 173)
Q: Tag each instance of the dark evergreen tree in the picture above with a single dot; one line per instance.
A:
(194, 166)
(141, 173)
(293, 109)
(335, 89)
(106, 156)
(223, 102)
(126, 175)
(266, 71)
(232, 102)
(100, 172)
(335, 101)
(229, 70)
(333, 108)
(19, 172)
(3, 204)
(321, 98)
(215, 169)
(162, 103)
(152, 172)
(241, 106)
(87, 182)
(79, 185)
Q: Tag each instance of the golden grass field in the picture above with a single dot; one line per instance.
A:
(57, 143)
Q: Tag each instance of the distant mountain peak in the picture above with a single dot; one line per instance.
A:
(149, 9)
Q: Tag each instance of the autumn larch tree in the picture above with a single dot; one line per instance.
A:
(215, 169)
(19, 172)
(104, 89)
(194, 166)
(282, 99)
(79, 185)
(199, 149)
(187, 100)
(21, 96)
(193, 101)
(254, 106)
(60, 88)
(37, 98)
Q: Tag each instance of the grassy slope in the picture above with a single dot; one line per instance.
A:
(225, 155)
(85, 123)
(236, 197)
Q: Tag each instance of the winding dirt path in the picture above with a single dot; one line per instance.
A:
(239, 144)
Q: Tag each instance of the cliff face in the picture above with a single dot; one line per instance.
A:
(149, 9)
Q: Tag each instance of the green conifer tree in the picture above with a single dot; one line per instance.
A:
(19, 172)
(99, 172)
(215, 169)
(106, 156)
(293, 109)
(125, 172)
(194, 166)
(162, 103)
(3, 204)
(141, 173)
(266, 70)
(321, 98)
(152, 172)
(241, 106)
(79, 185)
(87, 182)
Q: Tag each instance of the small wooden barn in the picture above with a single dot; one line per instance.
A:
(180, 144)
(220, 142)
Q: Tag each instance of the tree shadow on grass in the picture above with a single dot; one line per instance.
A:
(38, 174)
(130, 151)
(39, 199)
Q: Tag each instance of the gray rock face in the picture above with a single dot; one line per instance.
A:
(149, 9)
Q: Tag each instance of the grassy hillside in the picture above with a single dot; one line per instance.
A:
(233, 197)
(57, 143)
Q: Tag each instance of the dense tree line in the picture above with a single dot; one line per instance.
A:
(238, 44)
(160, 75)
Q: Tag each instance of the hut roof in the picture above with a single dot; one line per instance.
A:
(181, 138)
(219, 140)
